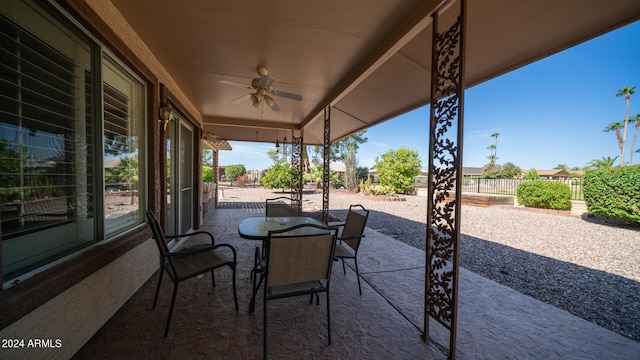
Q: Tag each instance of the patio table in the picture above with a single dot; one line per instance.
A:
(258, 227)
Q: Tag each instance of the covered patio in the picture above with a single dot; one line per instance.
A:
(335, 68)
(384, 323)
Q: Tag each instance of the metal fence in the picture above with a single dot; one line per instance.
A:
(509, 186)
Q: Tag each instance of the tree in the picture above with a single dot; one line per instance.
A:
(120, 144)
(636, 120)
(491, 170)
(207, 173)
(562, 167)
(532, 174)
(278, 176)
(339, 147)
(127, 171)
(316, 174)
(616, 126)
(626, 91)
(232, 172)
(494, 156)
(346, 150)
(207, 165)
(604, 163)
(207, 157)
(510, 171)
(350, 167)
(398, 168)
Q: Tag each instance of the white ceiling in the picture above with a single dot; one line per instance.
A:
(370, 60)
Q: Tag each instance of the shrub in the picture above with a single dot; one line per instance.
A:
(366, 187)
(242, 181)
(380, 190)
(397, 168)
(613, 193)
(544, 195)
(278, 176)
(207, 173)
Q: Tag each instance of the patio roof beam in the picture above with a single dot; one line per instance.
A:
(259, 124)
(412, 27)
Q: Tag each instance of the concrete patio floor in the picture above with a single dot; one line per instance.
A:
(494, 322)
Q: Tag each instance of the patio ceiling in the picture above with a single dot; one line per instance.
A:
(370, 61)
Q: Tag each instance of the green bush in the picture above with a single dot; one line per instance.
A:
(544, 194)
(207, 173)
(398, 168)
(366, 187)
(613, 193)
(278, 176)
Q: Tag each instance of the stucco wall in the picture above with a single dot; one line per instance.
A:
(74, 316)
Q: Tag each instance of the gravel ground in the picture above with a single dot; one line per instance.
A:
(589, 268)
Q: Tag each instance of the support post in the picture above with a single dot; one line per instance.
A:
(445, 173)
(326, 158)
(296, 167)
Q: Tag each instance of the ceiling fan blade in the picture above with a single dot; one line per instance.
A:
(241, 99)
(233, 83)
(266, 81)
(287, 95)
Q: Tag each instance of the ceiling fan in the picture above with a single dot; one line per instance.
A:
(263, 91)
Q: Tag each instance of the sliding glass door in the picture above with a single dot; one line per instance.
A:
(180, 197)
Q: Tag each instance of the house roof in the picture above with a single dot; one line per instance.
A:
(370, 61)
(558, 173)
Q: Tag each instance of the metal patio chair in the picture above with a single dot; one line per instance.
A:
(278, 207)
(298, 262)
(191, 261)
(351, 236)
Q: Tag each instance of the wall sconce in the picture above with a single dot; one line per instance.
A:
(166, 111)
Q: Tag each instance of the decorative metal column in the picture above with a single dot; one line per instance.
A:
(216, 175)
(326, 158)
(445, 172)
(296, 167)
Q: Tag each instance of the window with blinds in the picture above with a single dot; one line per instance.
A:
(123, 130)
(51, 198)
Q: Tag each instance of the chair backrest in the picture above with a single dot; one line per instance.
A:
(295, 258)
(279, 208)
(353, 229)
(158, 234)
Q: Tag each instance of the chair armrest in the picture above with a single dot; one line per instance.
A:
(200, 248)
(192, 250)
(233, 250)
(192, 234)
(351, 237)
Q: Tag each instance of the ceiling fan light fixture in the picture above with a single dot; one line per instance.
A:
(269, 100)
(255, 101)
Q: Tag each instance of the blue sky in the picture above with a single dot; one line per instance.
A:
(548, 113)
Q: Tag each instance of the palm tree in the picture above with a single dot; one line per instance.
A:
(616, 126)
(492, 157)
(626, 91)
(604, 163)
(634, 119)
(127, 171)
(495, 147)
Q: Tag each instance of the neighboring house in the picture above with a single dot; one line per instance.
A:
(557, 174)
(471, 171)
